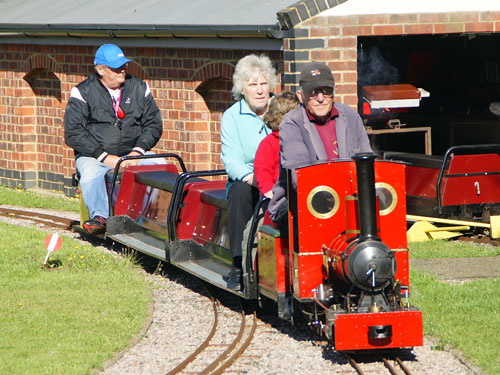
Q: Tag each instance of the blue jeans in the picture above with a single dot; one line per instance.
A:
(93, 184)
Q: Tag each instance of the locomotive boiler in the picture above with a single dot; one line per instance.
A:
(341, 262)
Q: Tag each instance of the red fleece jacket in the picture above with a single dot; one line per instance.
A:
(267, 161)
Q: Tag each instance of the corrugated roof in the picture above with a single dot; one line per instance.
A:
(114, 13)
(354, 7)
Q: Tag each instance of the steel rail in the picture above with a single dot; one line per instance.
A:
(206, 342)
(389, 367)
(226, 358)
(385, 361)
(213, 366)
(403, 367)
(50, 220)
(354, 364)
(241, 350)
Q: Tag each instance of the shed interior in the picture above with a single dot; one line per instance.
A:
(462, 75)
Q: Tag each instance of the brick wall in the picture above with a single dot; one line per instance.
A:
(334, 40)
(191, 87)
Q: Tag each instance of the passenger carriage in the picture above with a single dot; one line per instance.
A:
(464, 184)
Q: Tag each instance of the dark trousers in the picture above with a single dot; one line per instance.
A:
(241, 201)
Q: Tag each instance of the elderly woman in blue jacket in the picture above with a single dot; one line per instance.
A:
(242, 130)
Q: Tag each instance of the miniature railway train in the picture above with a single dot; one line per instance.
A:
(342, 263)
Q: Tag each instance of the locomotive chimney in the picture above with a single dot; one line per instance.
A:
(367, 201)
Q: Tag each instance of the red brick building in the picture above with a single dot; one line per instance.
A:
(187, 54)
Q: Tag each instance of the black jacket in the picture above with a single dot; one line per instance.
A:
(91, 125)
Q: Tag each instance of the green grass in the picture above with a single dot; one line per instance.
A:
(450, 249)
(465, 316)
(70, 318)
(29, 198)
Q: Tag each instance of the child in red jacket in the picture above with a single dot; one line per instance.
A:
(267, 159)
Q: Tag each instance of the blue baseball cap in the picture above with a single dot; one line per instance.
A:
(110, 55)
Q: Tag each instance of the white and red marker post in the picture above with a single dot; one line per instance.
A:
(53, 243)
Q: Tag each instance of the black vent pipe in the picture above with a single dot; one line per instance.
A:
(367, 199)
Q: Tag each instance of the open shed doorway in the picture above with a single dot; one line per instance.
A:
(462, 75)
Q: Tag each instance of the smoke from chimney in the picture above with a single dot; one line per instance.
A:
(374, 69)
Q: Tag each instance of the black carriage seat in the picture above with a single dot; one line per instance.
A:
(215, 197)
(159, 179)
(162, 180)
(108, 177)
(416, 160)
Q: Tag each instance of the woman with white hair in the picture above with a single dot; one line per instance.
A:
(242, 130)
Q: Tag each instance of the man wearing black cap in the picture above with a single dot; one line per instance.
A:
(109, 115)
(318, 130)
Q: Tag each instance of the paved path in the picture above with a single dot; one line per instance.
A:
(460, 269)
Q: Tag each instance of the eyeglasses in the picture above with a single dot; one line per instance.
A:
(326, 91)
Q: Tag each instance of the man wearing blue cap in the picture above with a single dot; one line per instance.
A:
(109, 115)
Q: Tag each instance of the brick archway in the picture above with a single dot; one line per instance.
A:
(212, 82)
(41, 129)
(217, 69)
(41, 62)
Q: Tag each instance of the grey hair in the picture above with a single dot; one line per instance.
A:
(250, 66)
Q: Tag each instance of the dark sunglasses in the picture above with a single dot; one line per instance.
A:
(326, 91)
(118, 70)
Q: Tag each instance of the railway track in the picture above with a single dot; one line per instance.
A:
(215, 354)
(391, 366)
(38, 217)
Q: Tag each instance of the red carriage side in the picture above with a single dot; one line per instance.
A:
(461, 185)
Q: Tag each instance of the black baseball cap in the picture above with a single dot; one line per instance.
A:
(314, 75)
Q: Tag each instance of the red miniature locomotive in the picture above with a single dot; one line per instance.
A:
(347, 259)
